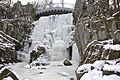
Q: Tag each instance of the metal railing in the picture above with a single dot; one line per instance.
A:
(53, 5)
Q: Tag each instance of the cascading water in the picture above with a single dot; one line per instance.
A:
(56, 34)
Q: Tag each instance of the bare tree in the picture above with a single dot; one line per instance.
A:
(42, 4)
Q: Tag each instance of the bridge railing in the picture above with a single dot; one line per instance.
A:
(53, 5)
(65, 5)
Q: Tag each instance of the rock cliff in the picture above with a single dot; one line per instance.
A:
(14, 32)
(96, 21)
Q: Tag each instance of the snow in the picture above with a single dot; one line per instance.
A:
(27, 66)
(112, 47)
(84, 68)
(93, 75)
(7, 67)
(111, 77)
(97, 75)
(107, 41)
(8, 78)
(98, 64)
(49, 72)
(63, 74)
(16, 75)
(115, 68)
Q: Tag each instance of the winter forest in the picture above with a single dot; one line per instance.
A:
(60, 40)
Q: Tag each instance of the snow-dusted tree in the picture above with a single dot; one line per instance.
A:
(42, 4)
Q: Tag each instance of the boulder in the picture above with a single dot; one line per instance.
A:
(8, 48)
(36, 53)
(5, 72)
(67, 62)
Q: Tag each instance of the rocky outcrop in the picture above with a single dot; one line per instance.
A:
(36, 53)
(6, 72)
(92, 23)
(103, 67)
(8, 45)
(16, 11)
(14, 31)
(95, 21)
(101, 51)
(18, 28)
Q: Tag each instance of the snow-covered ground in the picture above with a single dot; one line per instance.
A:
(52, 71)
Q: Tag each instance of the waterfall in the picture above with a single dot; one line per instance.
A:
(56, 33)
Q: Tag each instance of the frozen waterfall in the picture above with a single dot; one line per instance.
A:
(56, 33)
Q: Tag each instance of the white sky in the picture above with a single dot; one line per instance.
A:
(56, 1)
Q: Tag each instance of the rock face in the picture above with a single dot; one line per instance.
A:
(17, 28)
(96, 21)
(16, 11)
(15, 33)
(5, 72)
(14, 30)
(7, 48)
(93, 22)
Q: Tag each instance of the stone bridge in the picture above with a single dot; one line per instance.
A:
(55, 9)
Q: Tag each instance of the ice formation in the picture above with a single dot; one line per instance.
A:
(56, 32)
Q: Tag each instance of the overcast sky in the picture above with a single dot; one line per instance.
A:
(26, 1)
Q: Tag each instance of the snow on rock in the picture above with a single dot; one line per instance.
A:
(1, 70)
(27, 66)
(98, 64)
(84, 68)
(99, 69)
(4, 72)
(111, 77)
(115, 68)
(107, 41)
(93, 75)
(112, 47)
(8, 78)
(63, 74)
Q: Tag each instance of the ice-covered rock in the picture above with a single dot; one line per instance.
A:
(27, 66)
(67, 62)
(8, 78)
(63, 74)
